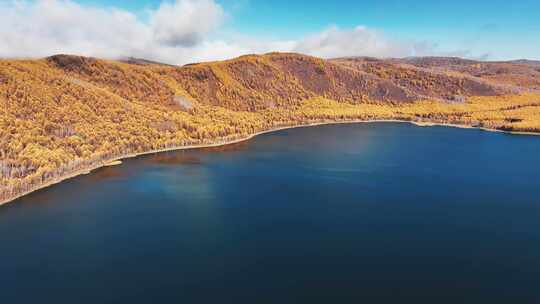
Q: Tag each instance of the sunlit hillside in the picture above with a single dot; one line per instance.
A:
(64, 115)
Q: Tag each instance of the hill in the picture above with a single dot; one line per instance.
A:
(65, 115)
(518, 73)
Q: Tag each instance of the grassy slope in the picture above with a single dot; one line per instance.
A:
(65, 113)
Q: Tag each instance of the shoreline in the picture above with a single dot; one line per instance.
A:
(118, 160)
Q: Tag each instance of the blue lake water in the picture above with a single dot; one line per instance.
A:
(381, 212)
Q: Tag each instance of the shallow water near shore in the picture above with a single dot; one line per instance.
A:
(383, 212)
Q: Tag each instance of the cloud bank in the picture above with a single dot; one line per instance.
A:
(336, 42)
(176, 32)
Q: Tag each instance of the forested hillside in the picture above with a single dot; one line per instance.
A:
(64, 115)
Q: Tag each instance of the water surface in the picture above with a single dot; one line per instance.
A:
(382, 212)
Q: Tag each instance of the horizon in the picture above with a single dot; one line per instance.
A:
(171, 32)
(126, 58)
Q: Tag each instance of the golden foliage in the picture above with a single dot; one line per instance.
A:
(67, 114)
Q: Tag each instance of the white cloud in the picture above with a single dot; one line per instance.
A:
(359, 41)
(176, 32)
(185, 23)
(45, 27)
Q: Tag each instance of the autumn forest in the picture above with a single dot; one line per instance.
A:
(66, 115)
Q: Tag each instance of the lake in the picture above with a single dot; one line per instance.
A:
(379, 212)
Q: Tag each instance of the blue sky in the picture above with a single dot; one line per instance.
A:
(478, 29)
(502, 29)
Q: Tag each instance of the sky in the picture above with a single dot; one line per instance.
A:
(184, 31)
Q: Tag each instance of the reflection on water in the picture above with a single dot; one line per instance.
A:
(239, 146)
(42, 197)
(174, 158)
(192, 157)
(104, 173)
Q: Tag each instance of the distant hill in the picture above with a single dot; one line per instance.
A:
(519, 73)
(64, 115)
(535, 63)
(425, 82)
(140, 61)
